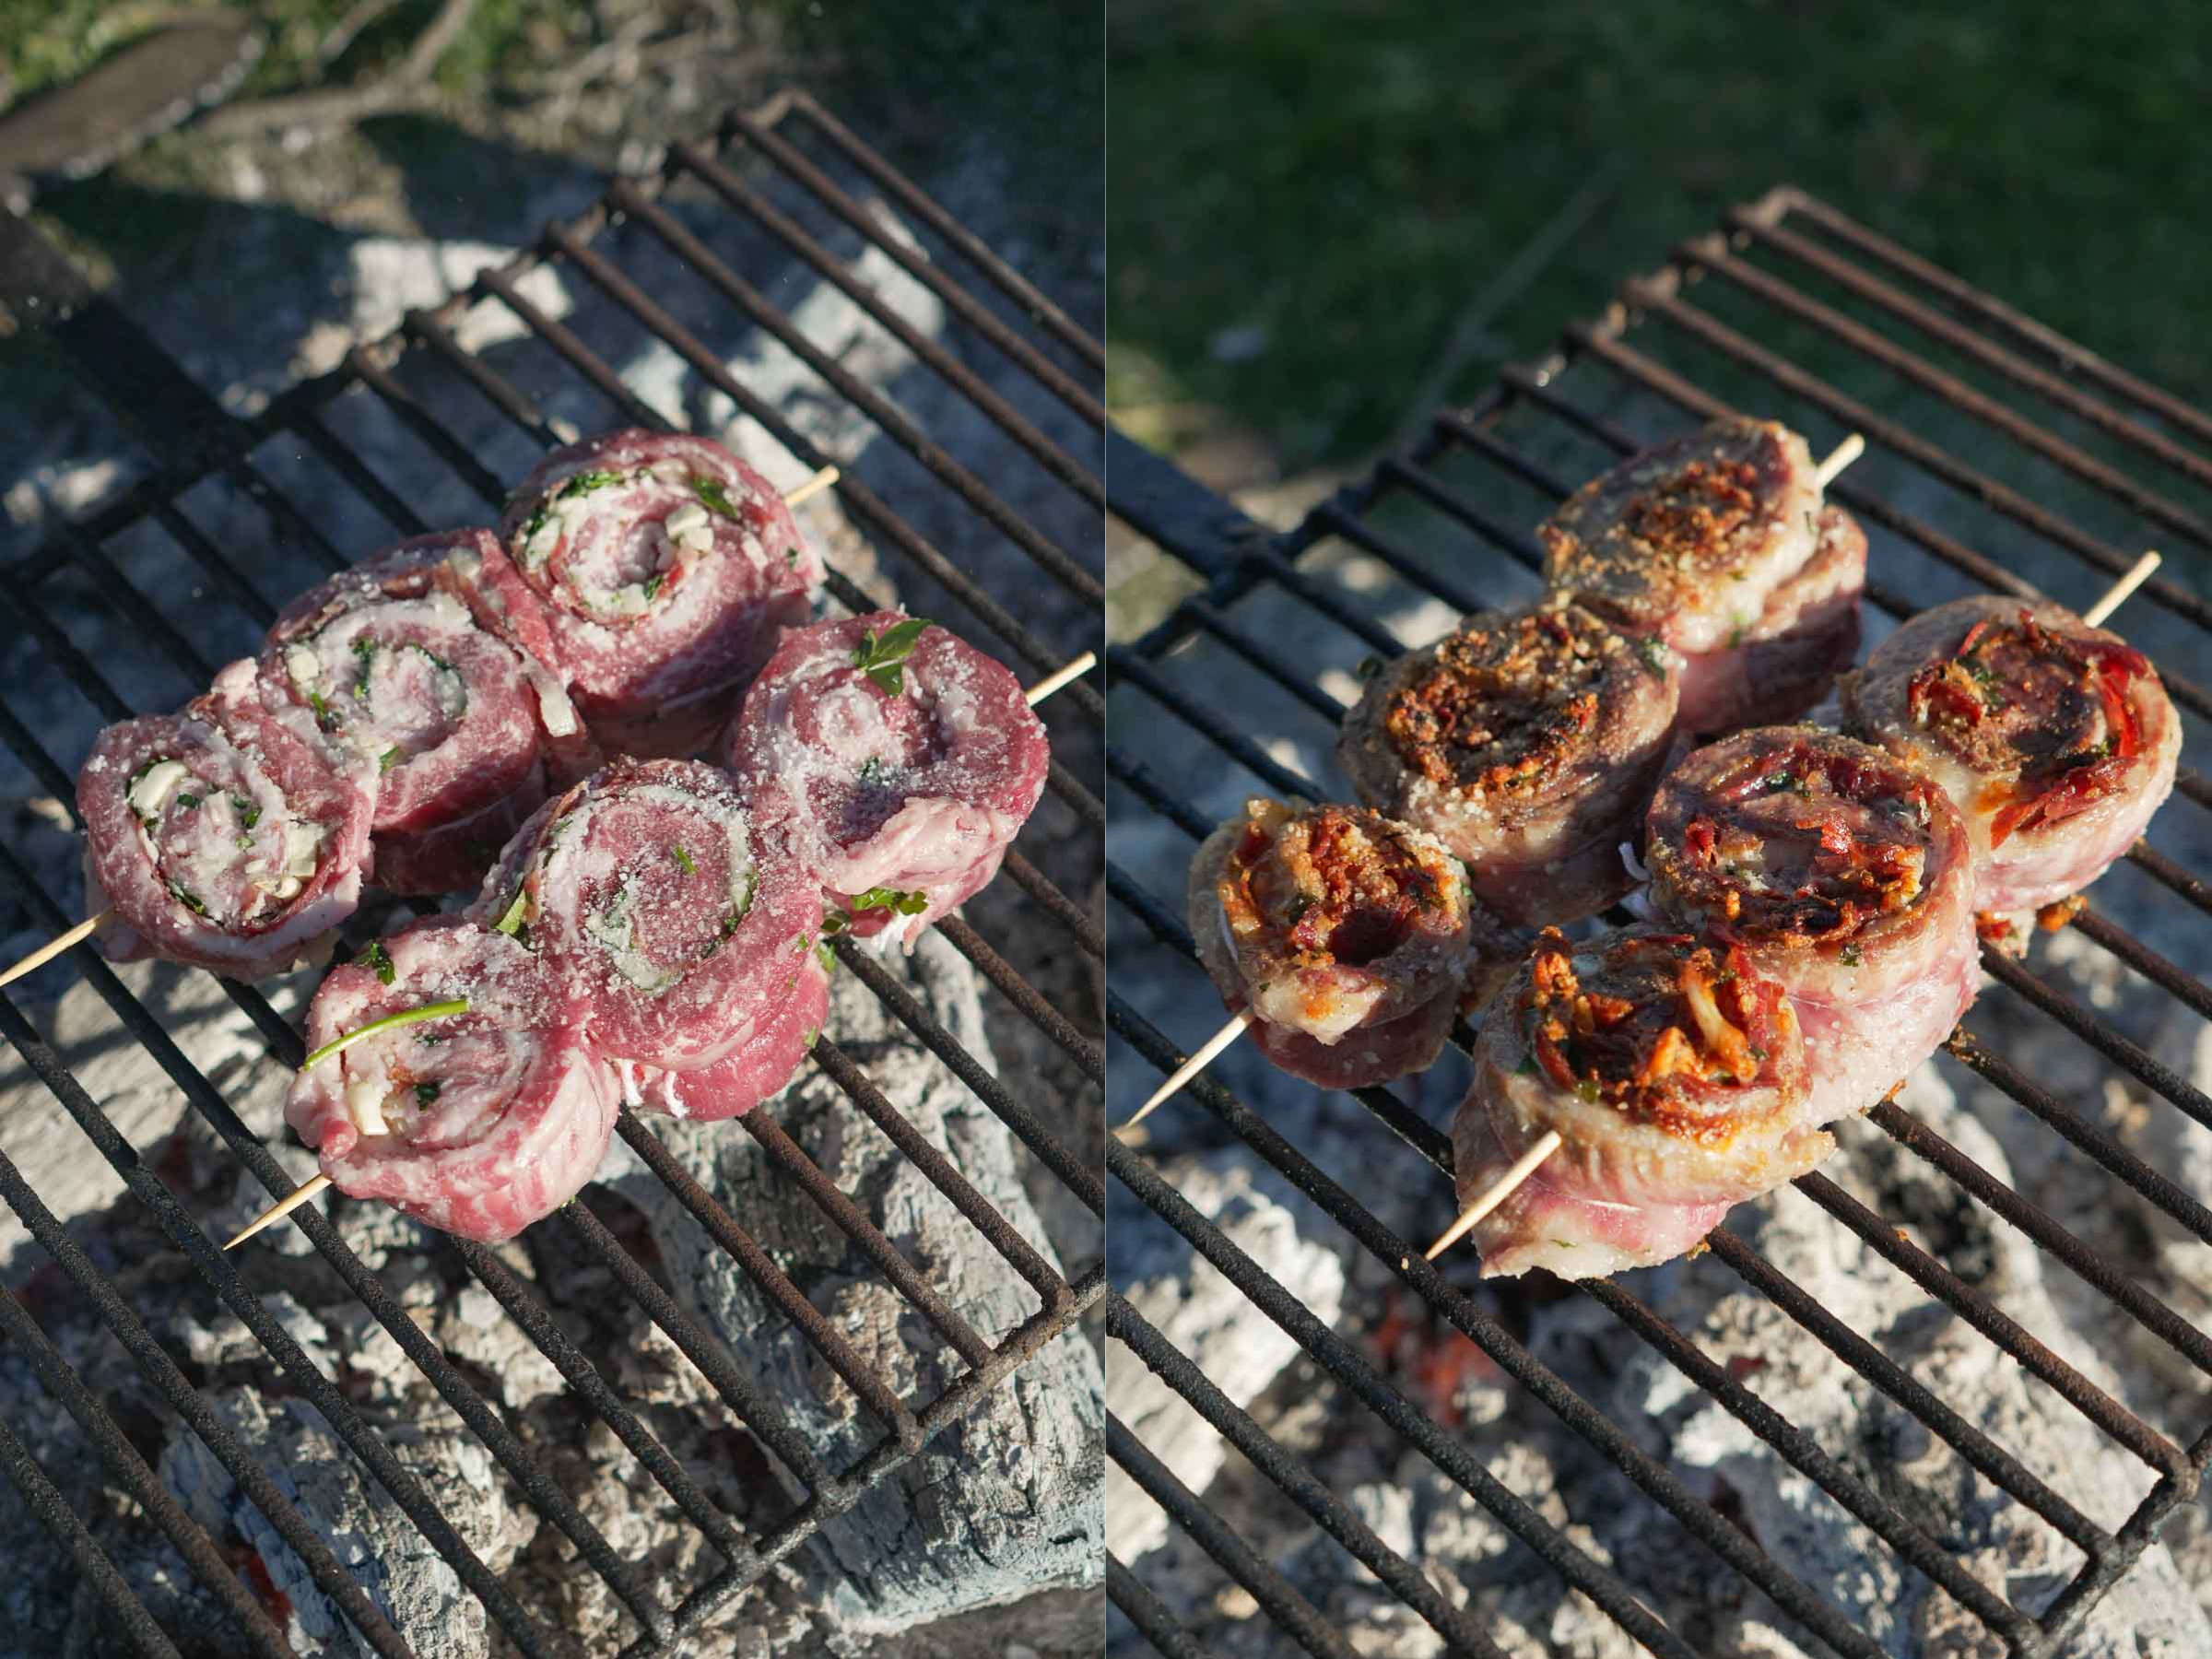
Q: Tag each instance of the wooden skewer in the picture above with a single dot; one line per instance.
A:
(1190, 1068)
(281, 1208)
(813, 487)
(1498, 1192)
(1841, 456)
(54, 947)
(2115, 595)
(1502, 1188)
(1072, 670)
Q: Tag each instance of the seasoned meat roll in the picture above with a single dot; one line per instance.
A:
(222, 835)
(478, 1121)
(1787, 659)
(1842, 873)
(902, 760)
(655, 569)
(1717, 543)
(1527, 742)
(1350, 937)
(1676, 1077)
(465, 732)
(2054, 740)
(683, 925)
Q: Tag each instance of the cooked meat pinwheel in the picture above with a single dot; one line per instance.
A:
(1527, 743)
(2055, 739)
(451, 1078)
(465, 731)
(684, 926)
(901, 760)
(222, 835)
(1717, 543)
(655, 571)
(1675, 1078)
(1350, 937)
(1842, 873)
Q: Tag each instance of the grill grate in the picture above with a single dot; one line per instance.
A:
(424, 381)
(1204, 687)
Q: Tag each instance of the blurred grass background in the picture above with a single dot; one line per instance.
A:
(1304, 195)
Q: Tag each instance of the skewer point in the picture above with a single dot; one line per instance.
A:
(1497, 1194)
(1071, 670)
(1190, 1068)
(54, 947)
(281, 1208)
(1841, 456)
(813, 487)
(2116, 595)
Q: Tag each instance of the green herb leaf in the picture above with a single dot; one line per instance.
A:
(884, 898)
(511, 922)
(188, 801)
(713, 497)
(323, 714)
(813, 1035)
(883, 659)
(1527, 1067)
(1654, 651)
(426, 1092)
(1851, 956)
(191, 901)
(387, 760)
(652, 584)
(377, 959)
(874, 769)
(405, 1017)
(676, 851)
(365, 648)
(248, 816)
(826, 958)
(833, 924)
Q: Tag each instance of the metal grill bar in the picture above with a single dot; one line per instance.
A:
(309, 419)
(1433, 478)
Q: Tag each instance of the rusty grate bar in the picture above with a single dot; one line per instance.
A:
(1447, 520)
(427, 382)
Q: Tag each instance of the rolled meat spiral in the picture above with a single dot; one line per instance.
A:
(682, 925)
(465, 732)
(223, 836)
(1527, 743)
(479, 1122)
(2055, 740)
(653, 572)
(900, 761)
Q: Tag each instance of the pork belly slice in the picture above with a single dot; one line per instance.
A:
(1676, 1077)
(1840, 871)
(1350, 937)
(478, 1123)
(653, 570)
(2055, 739)
(464, 730)
(1689, 539)
(682, 925)
(222, 836)
(1786, 660)
(900, 761)
(1526, 742)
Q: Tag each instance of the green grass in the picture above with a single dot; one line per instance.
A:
(1342, 176)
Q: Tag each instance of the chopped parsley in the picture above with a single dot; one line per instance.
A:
(377, 959)
(884, 898)
(426, 1092)
(1368, 667)
(248, 815)
(713, 497)
(1654, 651)
(1851, 956)
(1300, 905)
(387, 760)
(187, 801)
(883, 658)
(511, 923)
(813, 1034)
(874, 769)
(1735, 635)
(652, 584)
(833, 924)
(1527, 1067)
(1586, 1091)
(191, 901)
(324, 717)
(823, 955)
(365, 648)
(676, 851)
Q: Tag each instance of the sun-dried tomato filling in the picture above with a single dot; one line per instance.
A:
(1340, 882)
(1809, 843)
(1504, 706)
(1694, 508)
(1653, 1016)
(2024, 698)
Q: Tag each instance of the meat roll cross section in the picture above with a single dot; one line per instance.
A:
(465, 732)
(479, 1121)
(654, 570)
(1526, 742)
(1674, 1074)
(222, 835)
(1350, 937)
(1842, 873)
(2055, 739)
(680, 923)
(898, 761)
(1717, 542)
